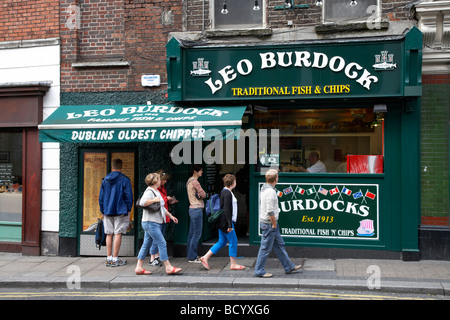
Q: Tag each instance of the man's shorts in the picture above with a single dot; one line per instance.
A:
(116, 224)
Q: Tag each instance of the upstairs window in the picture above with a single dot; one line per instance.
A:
(341, 11)
(237, 14)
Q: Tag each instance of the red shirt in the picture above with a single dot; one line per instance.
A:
(163, 191)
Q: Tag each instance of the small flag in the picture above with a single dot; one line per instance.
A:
(370, 195)
(288, 190)
(346, 191)
(310, 191)
(279, 193)
(357, 195)
(323, 191)
(300, 190)
(334, 191)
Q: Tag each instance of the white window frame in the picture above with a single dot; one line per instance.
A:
(375, 17)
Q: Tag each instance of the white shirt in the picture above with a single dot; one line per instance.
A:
(318, 167)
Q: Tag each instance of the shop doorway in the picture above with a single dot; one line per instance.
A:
(96, 164)
(212, 180)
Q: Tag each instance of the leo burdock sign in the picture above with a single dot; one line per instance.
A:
(328, 210)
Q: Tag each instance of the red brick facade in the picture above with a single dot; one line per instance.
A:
(122, 40)
(29, 20)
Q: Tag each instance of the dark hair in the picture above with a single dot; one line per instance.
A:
(117, 164)
(196, 167)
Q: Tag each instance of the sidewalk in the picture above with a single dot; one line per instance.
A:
(424, 277)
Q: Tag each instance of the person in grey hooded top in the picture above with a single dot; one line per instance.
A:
(271, 236)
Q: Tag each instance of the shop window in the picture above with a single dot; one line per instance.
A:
(11, 186)
(345, 140)
(237, 14)
(350, 11)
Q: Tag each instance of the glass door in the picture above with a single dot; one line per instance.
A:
(11, 186)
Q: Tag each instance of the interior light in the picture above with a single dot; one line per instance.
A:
(353, 3)
(319, 3)
(224, 8)
(256, 6)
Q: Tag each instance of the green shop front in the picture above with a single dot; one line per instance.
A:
(353, 103)
(143, 136)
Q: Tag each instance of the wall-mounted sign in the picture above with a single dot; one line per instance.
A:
(340, 211)
(151, 80)
(138, 123)
(303, 70)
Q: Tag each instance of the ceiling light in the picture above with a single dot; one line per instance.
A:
(256, 6)
(224, 9)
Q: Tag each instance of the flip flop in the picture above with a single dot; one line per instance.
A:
(205, 264)
(143, 272)
(175, 270)
(238, 268)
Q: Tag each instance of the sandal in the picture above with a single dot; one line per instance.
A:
(238, 267)
(175, 270)
(204, 263)
(143, 272)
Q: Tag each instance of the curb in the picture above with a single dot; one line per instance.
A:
(132, 282)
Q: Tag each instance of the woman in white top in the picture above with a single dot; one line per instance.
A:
(151, 223)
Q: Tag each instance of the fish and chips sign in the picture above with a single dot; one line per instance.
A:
(328, 211)
(311, 70)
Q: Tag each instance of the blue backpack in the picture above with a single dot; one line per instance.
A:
(212, 208)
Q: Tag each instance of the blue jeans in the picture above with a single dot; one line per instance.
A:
(195, 232)
(153, 235)
(271, 239)
(224, 238)
(154, 247)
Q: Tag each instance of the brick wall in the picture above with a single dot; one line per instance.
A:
(435, 118)
(29, 20)
(135, 31)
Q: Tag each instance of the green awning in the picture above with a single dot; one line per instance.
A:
(140, 123)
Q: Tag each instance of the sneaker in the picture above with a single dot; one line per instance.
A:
(108, 262)
(119, 262)
(197, 260)
(156, 262)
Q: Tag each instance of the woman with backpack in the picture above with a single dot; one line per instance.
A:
(227, 234)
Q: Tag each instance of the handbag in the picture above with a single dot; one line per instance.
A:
(153, 208)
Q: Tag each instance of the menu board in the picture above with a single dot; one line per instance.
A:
(95, 167)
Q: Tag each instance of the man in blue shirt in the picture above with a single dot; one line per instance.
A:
(116, 201)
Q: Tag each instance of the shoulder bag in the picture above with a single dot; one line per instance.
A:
(153, 208)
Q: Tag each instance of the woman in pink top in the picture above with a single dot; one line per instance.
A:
(196, 205)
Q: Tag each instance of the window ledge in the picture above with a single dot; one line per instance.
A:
(100, 64)
(265, 32)
(349, 27)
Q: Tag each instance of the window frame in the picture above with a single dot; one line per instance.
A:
(262, 5)
(349, 19)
